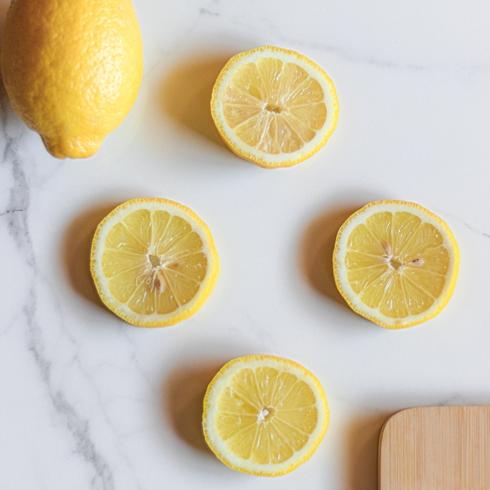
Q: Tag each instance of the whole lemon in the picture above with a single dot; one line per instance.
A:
(72, 69)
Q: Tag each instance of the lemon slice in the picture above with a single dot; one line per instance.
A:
(273, 106)
(153, 262)
(395, 263)
(264, 415)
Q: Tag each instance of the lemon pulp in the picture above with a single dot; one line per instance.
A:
(273, 106)
(396, 263)
(264, 415)
(152, 260)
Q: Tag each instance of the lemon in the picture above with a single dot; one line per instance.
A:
(153, 262)
(395, 263)
(264, 415)
(273, 106)
(72, 69)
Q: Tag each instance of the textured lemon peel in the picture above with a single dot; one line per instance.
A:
(74, 103)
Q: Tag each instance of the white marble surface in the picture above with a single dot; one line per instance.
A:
(90, 403)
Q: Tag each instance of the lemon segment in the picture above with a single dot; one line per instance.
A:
(395, 263)
(264, 415)
(72, 69)
(273, 106)
(153, 262)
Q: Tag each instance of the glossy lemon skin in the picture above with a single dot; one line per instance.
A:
(72, 69)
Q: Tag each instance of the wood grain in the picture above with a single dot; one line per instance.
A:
(436, 448)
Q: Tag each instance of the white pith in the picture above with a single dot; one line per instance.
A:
(174, 209)
(330, 101)
(341, 270)
(219, 445)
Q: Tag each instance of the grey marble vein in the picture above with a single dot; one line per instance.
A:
(10, 211)
(98, 396)
(78, 427)
(17, 214)
(208, 12)
(355, 56)
(19, 194)
(476, 230)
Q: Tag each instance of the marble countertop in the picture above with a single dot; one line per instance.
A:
(91, 403)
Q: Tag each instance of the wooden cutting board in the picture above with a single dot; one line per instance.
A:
(436, 448)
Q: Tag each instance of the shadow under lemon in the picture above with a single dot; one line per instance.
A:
(182, 399)
(185, 95)
(316, 251)
(361, 452)
(4, 6)
(76, 245)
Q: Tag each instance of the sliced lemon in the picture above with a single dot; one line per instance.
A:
(264, 415)
(153, 262)
(273, 106)
(395, 263)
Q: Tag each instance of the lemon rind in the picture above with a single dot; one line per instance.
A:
(52, 125)
(219, 382)
(184, 311)
(372, 314)
(260, 158)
